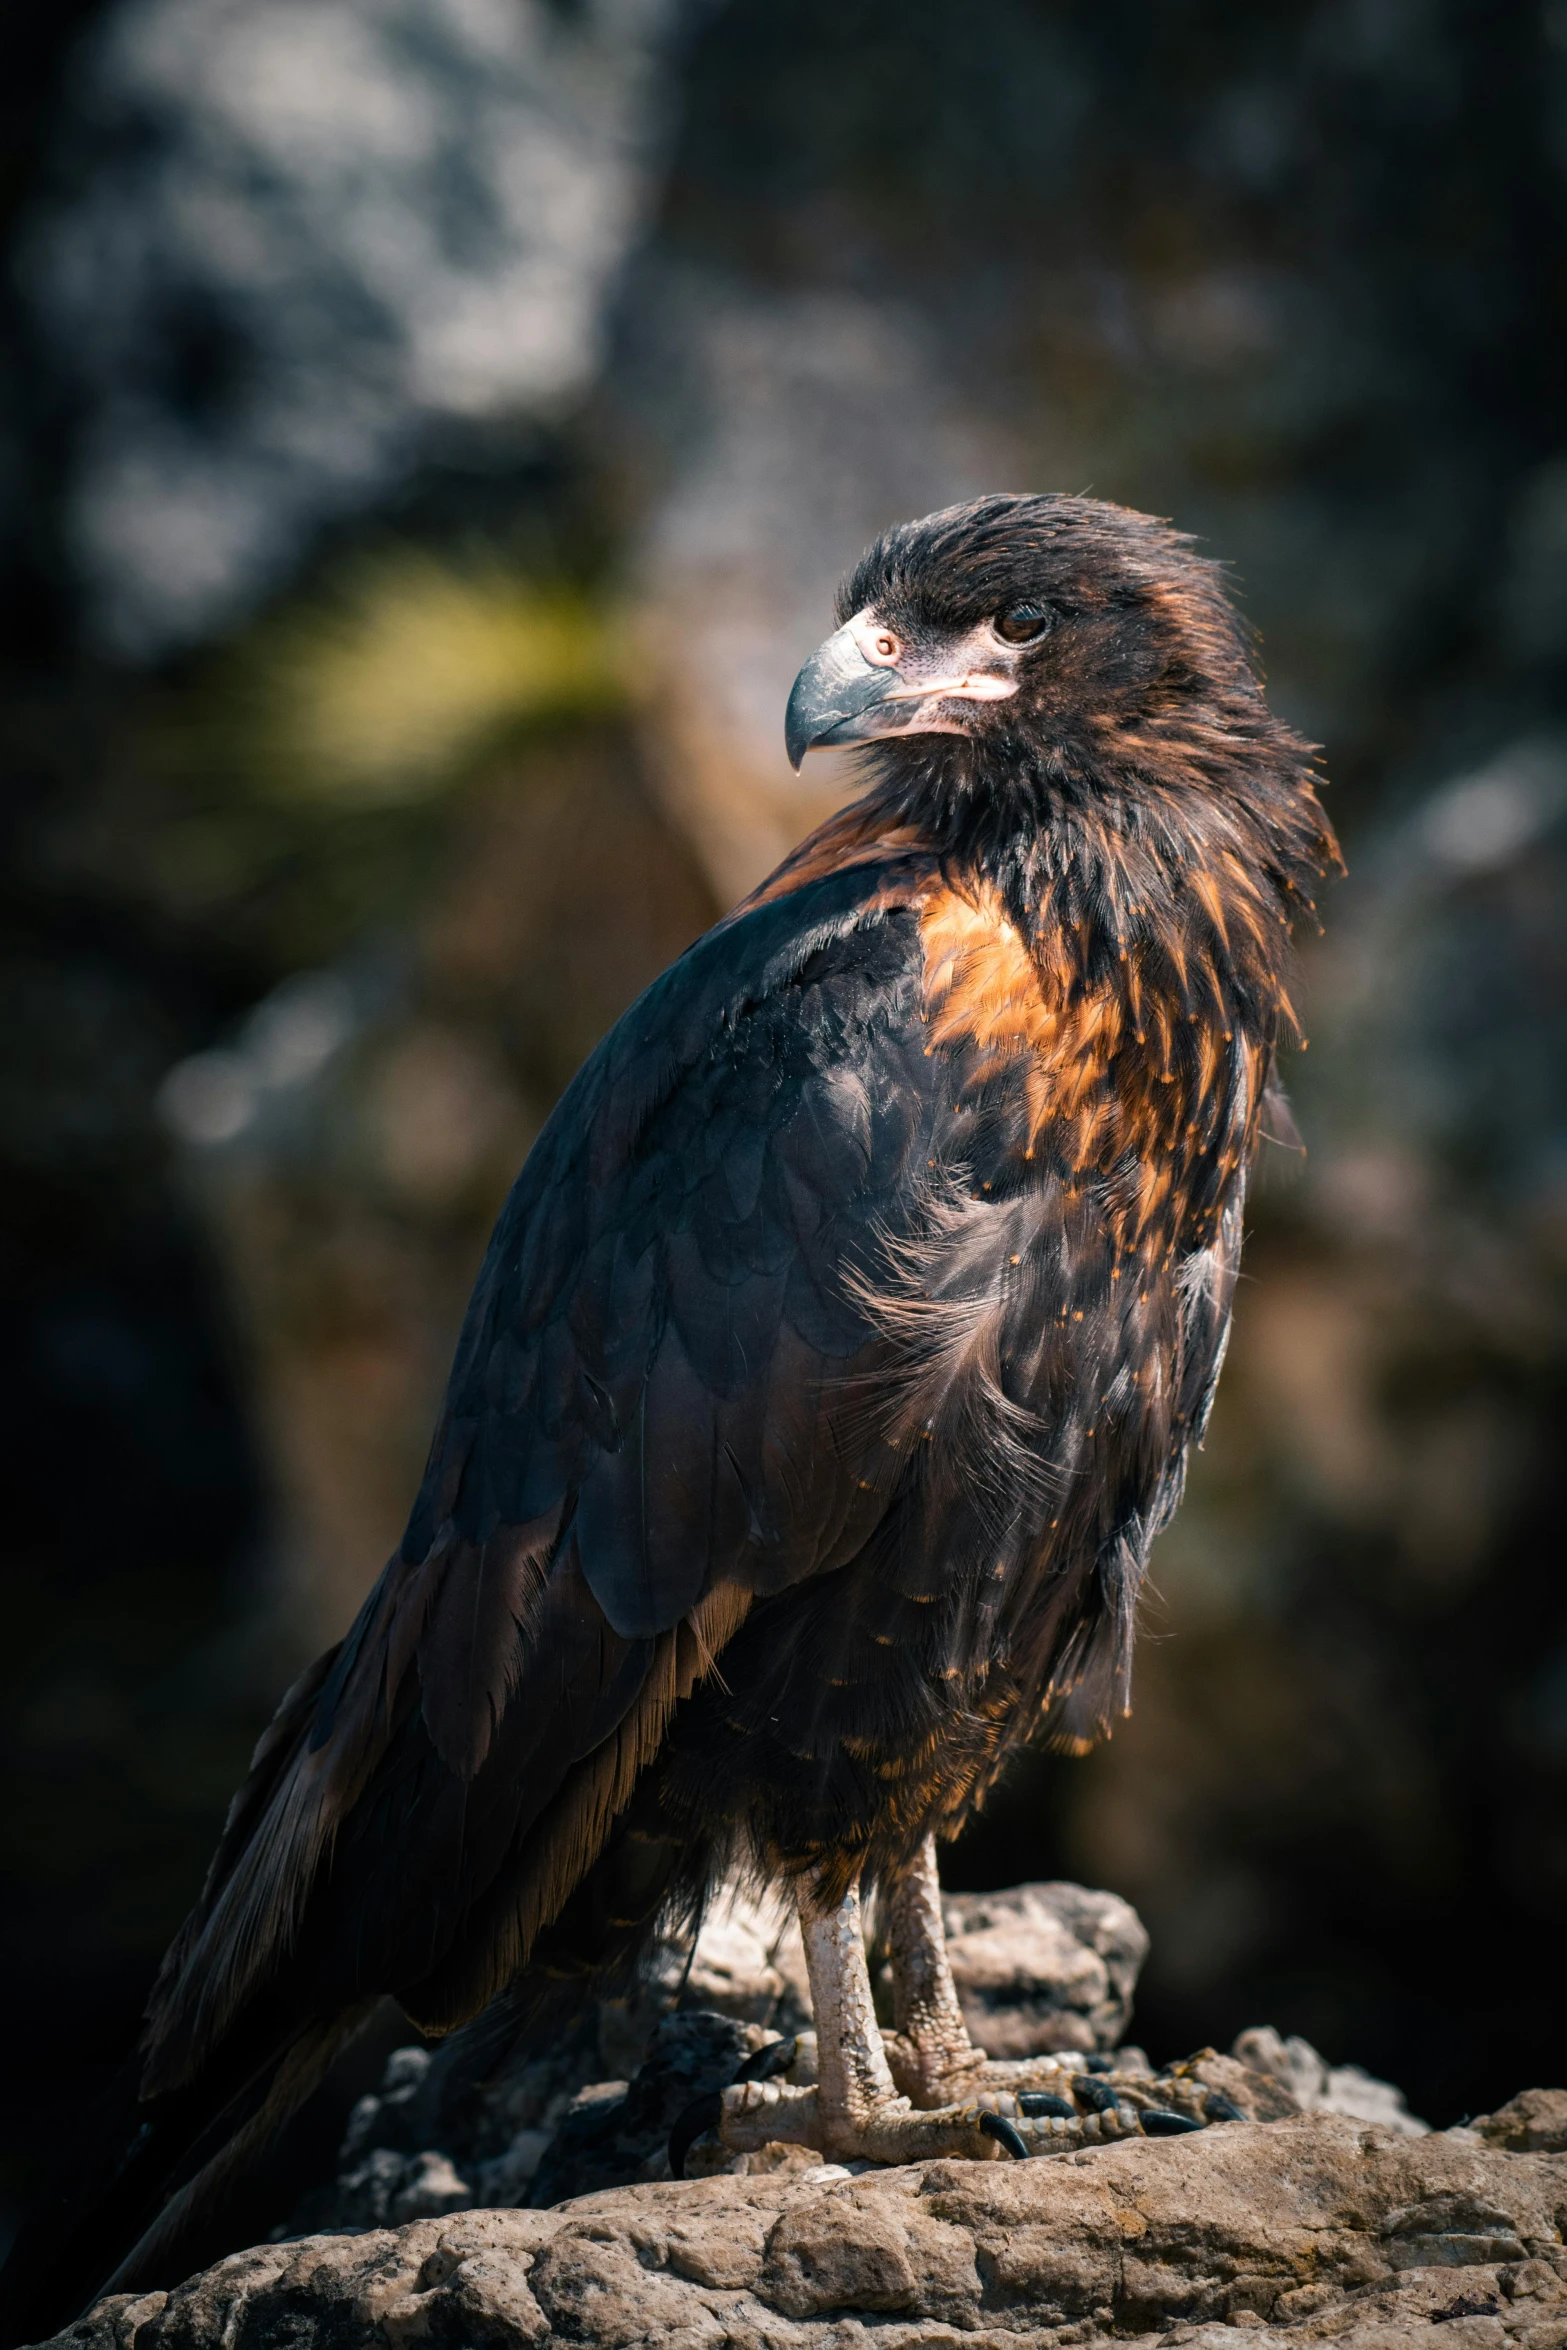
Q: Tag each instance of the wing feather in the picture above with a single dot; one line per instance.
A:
(640, 1434)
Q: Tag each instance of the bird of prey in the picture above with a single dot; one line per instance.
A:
(832, 1368)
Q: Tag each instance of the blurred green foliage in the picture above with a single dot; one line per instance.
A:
(387, 682)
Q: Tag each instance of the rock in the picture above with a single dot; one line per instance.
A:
(387, 2188)
(1256, 2096)
(537, 2131)
(1044, 1967)
(490, 2126)
(1533, 2122)
(1318, 2087)
(1315, 2229)
(617, 2134)
(749, 1962)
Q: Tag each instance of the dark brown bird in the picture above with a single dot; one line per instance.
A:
(832, 1368)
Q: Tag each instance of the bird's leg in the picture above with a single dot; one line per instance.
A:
(853, 2078)
(855, 2112)
(930, 2054)
(929, 2049)
(925, 2090)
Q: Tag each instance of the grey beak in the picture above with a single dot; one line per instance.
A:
(833, 694)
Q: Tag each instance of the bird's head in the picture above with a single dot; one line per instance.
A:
(1053, 624)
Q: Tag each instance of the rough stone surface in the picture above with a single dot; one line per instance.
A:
(1317, 2229)
(541, 2128)
(1533, 2122)
(1044, 1967)
(1319, 2087)
(618, 2134)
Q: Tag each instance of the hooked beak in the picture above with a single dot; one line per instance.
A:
(841, 697)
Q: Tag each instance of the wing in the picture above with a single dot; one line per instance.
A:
(652, 1419)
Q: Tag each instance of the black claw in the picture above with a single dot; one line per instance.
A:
(1037, 2101)
(1157, 2123)
(1099, 2064)
(769, 2062)
(701, 2115)
(1096, 2096)
(1220, 2108)
(1005, 2133)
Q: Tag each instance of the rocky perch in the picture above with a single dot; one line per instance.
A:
(1310, 2230)
(1312, 2207)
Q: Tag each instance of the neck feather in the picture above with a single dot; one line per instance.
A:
(1183, 872)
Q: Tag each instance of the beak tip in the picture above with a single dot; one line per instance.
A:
(831, 696)
(797, 729)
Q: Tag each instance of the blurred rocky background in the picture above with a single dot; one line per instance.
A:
(431, 432)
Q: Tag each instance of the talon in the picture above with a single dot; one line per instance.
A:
(769, 2062)
(1098, 2096)
(1159, 2123)
(1099, 2063)
(1220, 2108)
(1044, 2101)
(700, 2116)
(1005, 2133)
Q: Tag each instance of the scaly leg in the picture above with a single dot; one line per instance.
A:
(924, 2090)
(855, 2112)
(930, 2054)
(929, 2049)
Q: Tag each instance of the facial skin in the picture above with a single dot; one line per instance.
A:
(1037, 620)
(878, 677)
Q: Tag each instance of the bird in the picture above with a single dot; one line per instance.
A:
(832, 1368)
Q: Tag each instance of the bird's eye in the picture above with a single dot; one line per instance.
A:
(1022, 624)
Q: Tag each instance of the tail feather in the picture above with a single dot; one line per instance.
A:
(158, 2169)
(156, 2251)
(284, 1959)
(141, 2214)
